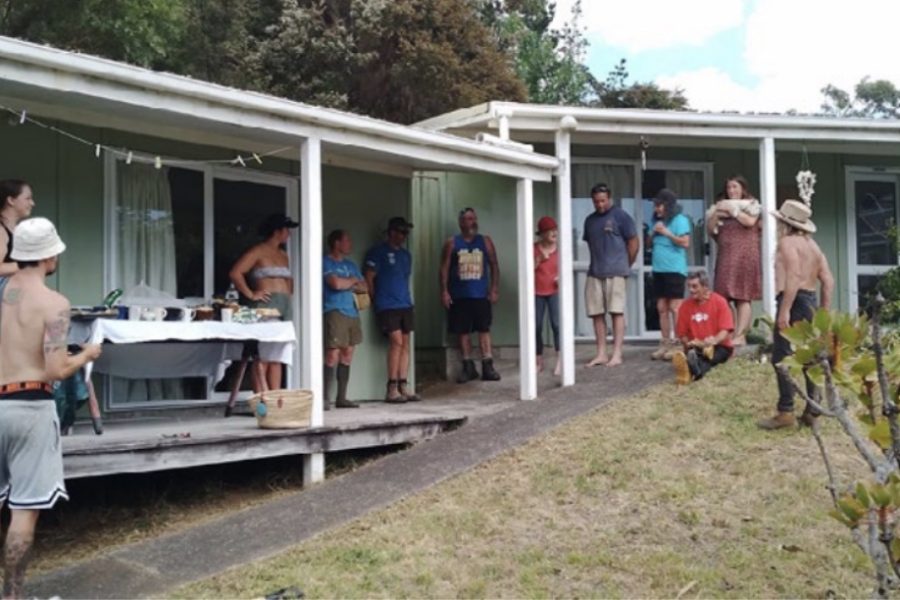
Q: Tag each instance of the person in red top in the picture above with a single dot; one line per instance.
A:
(546, 286)
(704, 326)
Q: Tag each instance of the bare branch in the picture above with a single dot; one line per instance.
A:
(832, 485)
(888, 406)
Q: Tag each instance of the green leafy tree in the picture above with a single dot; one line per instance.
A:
(873, 99)
(617, 92)
(141, 32)
(549, 62)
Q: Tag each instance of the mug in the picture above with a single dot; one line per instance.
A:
(155, 313)
(227, 315)
(188, 314)
(135, 313)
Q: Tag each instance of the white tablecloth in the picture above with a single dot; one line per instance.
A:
(198, 348)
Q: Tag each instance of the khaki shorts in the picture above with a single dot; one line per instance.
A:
(605, 295)
(342, 331)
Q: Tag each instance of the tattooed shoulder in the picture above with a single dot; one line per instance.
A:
(13, 296)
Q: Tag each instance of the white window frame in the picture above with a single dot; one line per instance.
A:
(210, 172)
(852, 174)
(639, 269)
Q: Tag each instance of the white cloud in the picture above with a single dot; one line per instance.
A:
(794, 49)
(639, 25)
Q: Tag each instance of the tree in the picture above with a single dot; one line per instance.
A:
(878, 99)
(429, 57)
(141, 32)
(616, 92)
(549, 62)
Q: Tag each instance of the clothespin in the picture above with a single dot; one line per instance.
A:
(257, 158)
(129, 157)
(157, 163)
(240, 161)
(23, 116)
(97, 150)
(644, 145)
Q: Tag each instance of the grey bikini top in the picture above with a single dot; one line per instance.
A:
(271, 272)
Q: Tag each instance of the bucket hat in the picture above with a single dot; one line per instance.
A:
(36, 239)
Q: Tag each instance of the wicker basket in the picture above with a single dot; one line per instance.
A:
(282, 409)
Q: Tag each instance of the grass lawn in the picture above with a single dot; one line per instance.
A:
(673, 490)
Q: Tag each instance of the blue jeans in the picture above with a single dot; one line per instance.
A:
(549, 304)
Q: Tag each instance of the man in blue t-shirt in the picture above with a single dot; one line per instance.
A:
(613, 243)
(388, 267)
(342, 327)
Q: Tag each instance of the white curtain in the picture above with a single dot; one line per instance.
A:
(145, 254)
(619, 178)
(687, 185)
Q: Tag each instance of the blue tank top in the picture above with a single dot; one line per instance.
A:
(469, 268)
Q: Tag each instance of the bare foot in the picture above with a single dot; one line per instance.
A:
(600, 359)
(614, 361)
(739, 341)
(540, 364)
(557, 370)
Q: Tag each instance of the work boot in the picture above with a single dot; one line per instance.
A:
(488, 373)
(781, 420)
(410, 396)
(808, 418)
(468, 372)
(674, 346)
(396, 397)
(682, 370)
(661, 350)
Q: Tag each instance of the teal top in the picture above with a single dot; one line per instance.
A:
(667, 256)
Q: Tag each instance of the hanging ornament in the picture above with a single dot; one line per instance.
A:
(806, 180)
(644, 145)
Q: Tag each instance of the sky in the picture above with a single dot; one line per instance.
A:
(744, 55)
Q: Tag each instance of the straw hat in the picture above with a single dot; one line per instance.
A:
(796, 214)
(36, 239)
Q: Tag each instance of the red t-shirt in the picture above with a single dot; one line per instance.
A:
(546, 273)
(698, 321)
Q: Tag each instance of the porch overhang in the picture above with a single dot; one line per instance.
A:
(56, 84)
(538, 123)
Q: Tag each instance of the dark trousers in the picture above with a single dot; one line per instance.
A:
(700, 365)
(803, 309)
(549, 304)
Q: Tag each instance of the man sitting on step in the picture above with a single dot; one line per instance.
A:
(704, 326)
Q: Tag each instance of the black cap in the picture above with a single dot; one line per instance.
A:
(273, 223)
(399, 224)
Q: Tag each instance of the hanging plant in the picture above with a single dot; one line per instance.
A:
(806, 183)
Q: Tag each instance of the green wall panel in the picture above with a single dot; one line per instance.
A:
(361, 203)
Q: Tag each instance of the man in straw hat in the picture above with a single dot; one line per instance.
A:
(799, 266)
(34, 324)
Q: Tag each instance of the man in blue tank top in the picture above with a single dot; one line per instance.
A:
(470, 283)
(388, 267)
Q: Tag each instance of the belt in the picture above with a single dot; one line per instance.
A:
(25, 386)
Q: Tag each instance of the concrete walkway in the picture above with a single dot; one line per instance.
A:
(154, 566)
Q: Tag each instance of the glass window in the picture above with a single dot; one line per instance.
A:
(160, 241)
(876, 213)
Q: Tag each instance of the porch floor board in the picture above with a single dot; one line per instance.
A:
(173, 441)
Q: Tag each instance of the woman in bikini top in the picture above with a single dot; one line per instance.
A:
(17, 205)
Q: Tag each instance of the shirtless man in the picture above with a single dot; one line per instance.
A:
(799, 266)
(34, 324)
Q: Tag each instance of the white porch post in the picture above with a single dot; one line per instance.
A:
(311, 338)
(769, 240)
(527, 342)
(565, 245)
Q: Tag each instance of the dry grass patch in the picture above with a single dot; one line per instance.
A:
(638, 499)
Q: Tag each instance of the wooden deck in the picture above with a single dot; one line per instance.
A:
(170, 441)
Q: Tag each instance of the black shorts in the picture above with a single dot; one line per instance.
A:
(668, 285)
(393, 319)
(469, 314)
